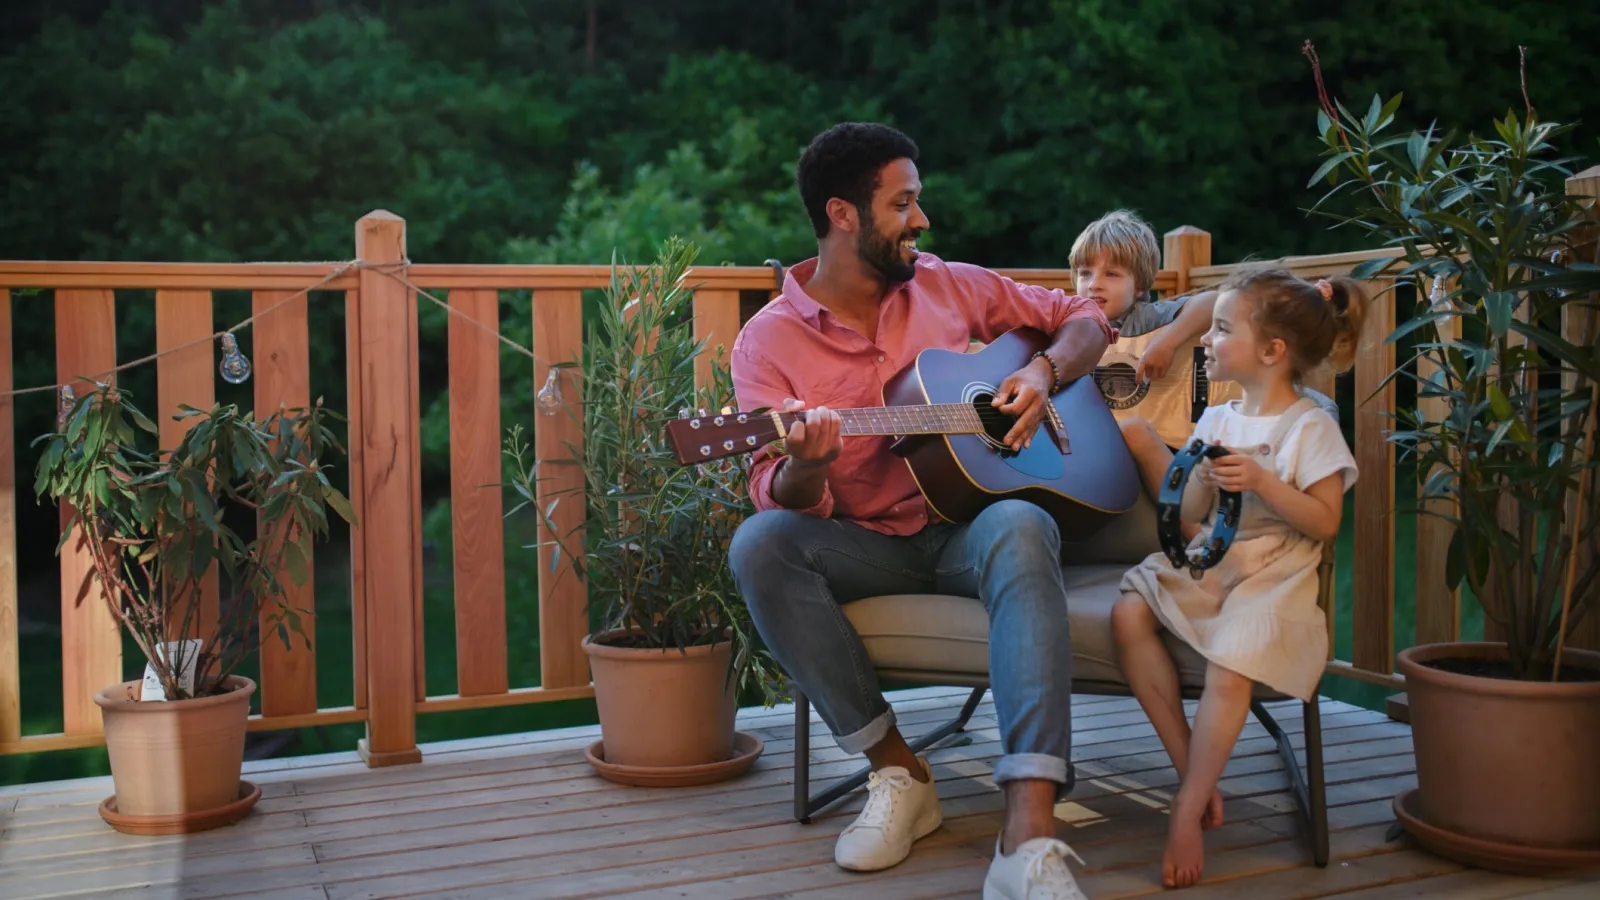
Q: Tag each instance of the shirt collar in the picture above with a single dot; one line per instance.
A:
(808, 308)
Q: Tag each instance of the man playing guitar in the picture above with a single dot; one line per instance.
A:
(844, 520)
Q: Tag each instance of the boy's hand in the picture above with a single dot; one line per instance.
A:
(1155, 362)
(1239, 473)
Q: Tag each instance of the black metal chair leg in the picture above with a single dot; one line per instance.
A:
(1319, 794)
(1311, 800)
(802, 756)
(806, 807)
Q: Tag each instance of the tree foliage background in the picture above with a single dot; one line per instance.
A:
(561, 130)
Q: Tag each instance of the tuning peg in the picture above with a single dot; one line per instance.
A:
(684, 413)
(702, 414)
(727, 410)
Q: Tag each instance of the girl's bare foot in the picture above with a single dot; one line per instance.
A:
(1212, 817)
(1186, 850)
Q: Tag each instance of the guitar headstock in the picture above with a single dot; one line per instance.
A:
(702, 438)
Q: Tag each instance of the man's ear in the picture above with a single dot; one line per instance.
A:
(843, 215)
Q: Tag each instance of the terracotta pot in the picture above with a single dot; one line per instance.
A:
(179, 758)
(663, 708)
(1503, 761)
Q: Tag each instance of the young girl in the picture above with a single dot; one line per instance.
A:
(1254, 616)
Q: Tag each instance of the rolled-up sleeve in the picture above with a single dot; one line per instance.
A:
(756, 385)
(997, 304)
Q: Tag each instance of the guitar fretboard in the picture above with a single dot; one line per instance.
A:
(938, 418)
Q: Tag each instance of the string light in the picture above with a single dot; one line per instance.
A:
(64, 407)
(234, 368)
(549, 396)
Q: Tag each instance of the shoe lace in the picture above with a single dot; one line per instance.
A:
(1048, 877)
(881, 793)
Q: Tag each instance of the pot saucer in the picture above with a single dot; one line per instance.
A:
(746, 748)
(1515, 859)
(182, 823)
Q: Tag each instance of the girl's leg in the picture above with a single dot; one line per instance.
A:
(1152, 674)
(1223, 707)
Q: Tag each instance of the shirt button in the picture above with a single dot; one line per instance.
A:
(880, 357)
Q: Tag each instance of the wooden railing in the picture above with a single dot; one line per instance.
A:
(385, 468)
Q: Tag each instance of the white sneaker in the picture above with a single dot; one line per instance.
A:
(1037, 871)
(899, 810)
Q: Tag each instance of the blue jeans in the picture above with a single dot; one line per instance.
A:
(794, 570)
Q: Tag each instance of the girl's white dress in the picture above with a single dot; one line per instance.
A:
(1255, 612)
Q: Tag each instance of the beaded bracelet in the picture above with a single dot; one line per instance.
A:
(1055, 373)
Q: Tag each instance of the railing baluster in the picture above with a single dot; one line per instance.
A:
(91, 642)
(283, 377)
(563, 610)
(10, 666)
(1373, 600)
(475, 500)
(186, 377)
(716, 321)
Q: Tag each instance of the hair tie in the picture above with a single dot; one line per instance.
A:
(1326, 289)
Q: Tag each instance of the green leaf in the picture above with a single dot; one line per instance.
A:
(1455, 561)
(1499, 306)
(299, 566)
(1323, 124)
(1328, 165)
(1386, 115)
(1370, 121)
(1366, 269)
(339, 503)
(1499, 404)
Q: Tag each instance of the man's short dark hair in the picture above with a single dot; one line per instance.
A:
(844, 162)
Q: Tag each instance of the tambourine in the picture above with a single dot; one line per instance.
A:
(1169, 511)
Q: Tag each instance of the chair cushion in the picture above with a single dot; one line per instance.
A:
(1125, 540)
(940, 634)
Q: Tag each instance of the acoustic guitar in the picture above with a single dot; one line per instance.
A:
(1172, 403)
(1077, 469)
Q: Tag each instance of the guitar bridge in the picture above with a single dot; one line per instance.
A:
(1057, 429)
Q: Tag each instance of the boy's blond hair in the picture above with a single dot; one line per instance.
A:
(1125, 240)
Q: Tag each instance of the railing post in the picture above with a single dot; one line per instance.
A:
(1183, 248)
(716, 321)
(388, 534)
(1578, 327)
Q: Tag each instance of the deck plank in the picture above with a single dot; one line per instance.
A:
(523, 815)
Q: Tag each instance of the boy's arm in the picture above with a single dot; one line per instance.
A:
(1193, 319)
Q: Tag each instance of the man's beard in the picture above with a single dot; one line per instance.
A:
(883, 254)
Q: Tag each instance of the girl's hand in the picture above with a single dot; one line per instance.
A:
(1239, 473)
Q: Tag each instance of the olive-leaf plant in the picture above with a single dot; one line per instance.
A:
(654, 535)
(1505, 269)
(154, 522)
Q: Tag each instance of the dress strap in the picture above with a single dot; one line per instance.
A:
(1286, 420)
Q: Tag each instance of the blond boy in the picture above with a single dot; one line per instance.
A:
(1114, 262)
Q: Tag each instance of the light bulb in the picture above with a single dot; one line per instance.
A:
(549, 397)
(235, 368)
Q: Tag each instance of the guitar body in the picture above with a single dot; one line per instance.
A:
(1082, 488)
(1172, 403)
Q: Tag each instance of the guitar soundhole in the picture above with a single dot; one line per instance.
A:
(996, 424)
(1119, 385)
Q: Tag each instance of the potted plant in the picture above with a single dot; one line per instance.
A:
(153, 524)
(1505, 731)
(671, 642)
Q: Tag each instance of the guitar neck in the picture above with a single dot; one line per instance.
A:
(938, 418)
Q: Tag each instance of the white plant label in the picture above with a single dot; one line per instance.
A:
(190, 653)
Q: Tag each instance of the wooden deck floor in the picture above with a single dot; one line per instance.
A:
(523, 816)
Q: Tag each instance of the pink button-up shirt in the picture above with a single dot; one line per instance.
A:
(794, 347)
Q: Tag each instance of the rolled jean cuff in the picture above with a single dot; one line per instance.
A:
(858, 741)
(1018, 766)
